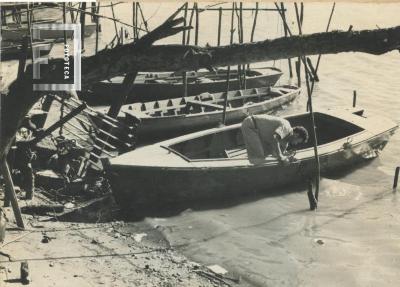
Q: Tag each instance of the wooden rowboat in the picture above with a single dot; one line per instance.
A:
(213, 164)
(169, 118)
(161, 86)
(17, 32)
(12, 51)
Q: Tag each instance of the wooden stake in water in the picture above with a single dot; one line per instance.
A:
(298, 63)
(354, 98)
(115, 23)
(253, 29)
(133, 20)
(286, 34)
(219, 26)
(228, 72)
(196, 34)
(184, 75)
(190, 23)
(82, 20)
(314, 136)
(326, 30)
(97, 28)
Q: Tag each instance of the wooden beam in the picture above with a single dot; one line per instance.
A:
(9, 185)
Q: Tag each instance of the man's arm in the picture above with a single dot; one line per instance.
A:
(277, 148)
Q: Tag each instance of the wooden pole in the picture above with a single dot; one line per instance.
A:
(326, 30)
(396, 177)
(22, 57)
(286, 34)
(82, 20)
(9, 185)
(190, 24)
(184, 75)
(298, 63)
(71, 12)
(184, 23)
(133, 20)
(137, 20)
(219, 26)
(64, 21)
(143, 19)
(97, 28)
(314, 136)
(126, 89)
(243, 67)
(196, 34)
(228, 72)
(253, 28)
(115, 22)
(354, 98)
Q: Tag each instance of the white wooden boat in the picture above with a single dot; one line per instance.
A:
(168, 118)
(213, 164)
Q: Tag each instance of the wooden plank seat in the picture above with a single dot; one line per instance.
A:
(237, 152)
(204, 104)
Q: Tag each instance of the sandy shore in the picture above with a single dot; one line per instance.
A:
(65, 253)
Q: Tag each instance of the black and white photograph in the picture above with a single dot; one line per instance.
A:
(200, 144)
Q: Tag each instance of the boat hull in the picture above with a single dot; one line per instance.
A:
(17, 34)
(167, 127)
(136, 187)
(104, 92)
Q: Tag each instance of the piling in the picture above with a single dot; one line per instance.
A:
(143, 19)
(314, 136)
(115, 23)
(22, 57)
(396, 177)
(82, 20)
(228, 72)
(285, 29)
(65, 22)
(10, 191)
(253, 28)
(196, 34)
(219, 26)
(354, 98)
(298, 63)
(326, 30)
(137, 20)
(133, 20)
(97, 29)
(190, 23)
(184, 75)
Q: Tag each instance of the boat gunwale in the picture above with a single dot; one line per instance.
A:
(295, 93)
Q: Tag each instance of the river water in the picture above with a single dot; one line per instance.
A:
(353, 238)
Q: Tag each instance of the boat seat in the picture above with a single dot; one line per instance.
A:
(204, 104)
(237, 152)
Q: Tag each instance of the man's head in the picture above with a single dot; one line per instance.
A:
(300, 135)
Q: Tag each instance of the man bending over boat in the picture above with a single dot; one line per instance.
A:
(269, 135)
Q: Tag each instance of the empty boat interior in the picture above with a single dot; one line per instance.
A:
(207, 102)
(229, 143)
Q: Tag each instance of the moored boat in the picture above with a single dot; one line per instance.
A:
(12, 51)
(160, 86)
(213, 164)
(168, 118)
(17, 32)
